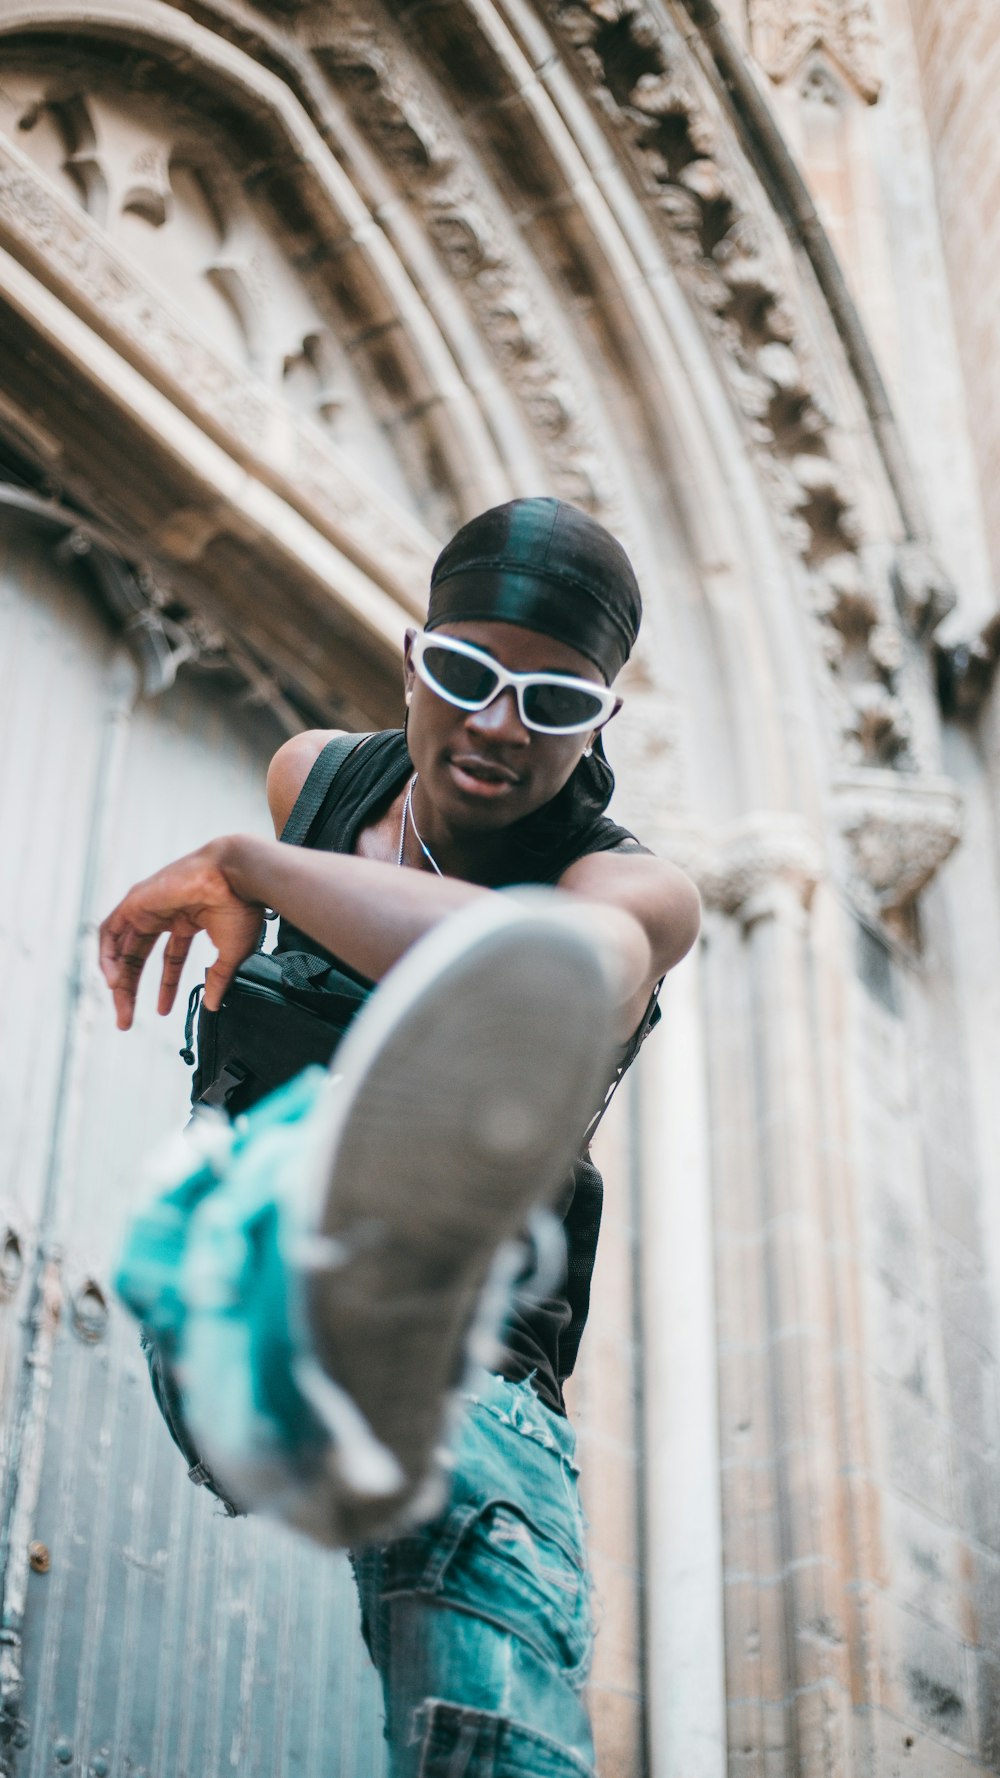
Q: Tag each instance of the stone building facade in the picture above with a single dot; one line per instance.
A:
(287, 291)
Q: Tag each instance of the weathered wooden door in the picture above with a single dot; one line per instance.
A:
(142, 1631)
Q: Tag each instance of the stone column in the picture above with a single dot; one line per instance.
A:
(685, 1664)
(787, 1556)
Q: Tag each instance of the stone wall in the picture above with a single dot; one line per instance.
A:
(958, 42)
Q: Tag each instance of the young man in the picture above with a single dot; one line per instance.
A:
(318, 1276)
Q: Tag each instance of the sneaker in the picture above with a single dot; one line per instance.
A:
(465, 1088)
(357, 1258)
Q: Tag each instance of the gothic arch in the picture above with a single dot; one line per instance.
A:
(691, 442)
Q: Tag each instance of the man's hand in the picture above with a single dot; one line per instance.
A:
(192, 895)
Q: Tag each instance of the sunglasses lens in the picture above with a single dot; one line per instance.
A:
(553, 706)
(459, 676)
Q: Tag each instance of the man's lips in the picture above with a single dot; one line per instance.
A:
(487, 773)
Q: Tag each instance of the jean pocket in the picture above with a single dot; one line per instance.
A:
(461, 1743)
(506, 1570)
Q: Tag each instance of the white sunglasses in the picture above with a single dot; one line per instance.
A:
(549, 703)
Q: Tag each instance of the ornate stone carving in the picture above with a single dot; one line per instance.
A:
(924, 592)
(371, 73)
(899, 831)
(127, 162)
(316, 356)
(767, 863)
(148, 192)
(83, 161)
(71, 248)
(763, 863)
(155, 163)
(725, 245)
(71, 254)
(784, 32)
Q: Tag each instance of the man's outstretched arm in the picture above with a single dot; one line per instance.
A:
(364, 911)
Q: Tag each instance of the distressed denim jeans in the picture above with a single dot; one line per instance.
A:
(479, 1622)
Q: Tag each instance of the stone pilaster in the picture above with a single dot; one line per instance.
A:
(684, 1633)
(786, 1564)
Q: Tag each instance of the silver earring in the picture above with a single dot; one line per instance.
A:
(409, 695)
(588, 752)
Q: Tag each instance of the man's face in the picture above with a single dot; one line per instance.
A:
(483, 769)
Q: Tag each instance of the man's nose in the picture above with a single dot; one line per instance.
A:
(500, 721)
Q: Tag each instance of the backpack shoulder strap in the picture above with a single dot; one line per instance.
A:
(635, 1043)
(324, 770)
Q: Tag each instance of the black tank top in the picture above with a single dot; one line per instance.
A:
(542, 1336)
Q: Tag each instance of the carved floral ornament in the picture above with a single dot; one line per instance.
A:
(898, 833)
(784, 32)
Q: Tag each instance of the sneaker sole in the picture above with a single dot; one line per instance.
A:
(462, 1095)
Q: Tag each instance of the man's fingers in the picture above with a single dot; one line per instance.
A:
(124, 999)
(186, 897)
(133, 950)
(217, 980)
(123, 953)
(110, 946)
(175, 955)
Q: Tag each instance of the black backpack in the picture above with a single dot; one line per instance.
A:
(280, 1012)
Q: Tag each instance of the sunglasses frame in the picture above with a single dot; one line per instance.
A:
(518, 682)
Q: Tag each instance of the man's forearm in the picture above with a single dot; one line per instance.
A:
(369, 913)
(365, 912)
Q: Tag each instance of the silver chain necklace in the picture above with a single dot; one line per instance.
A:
(408, 816)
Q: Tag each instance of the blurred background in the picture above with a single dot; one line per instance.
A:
(287, 292)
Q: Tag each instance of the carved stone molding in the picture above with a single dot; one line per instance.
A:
(723, 240)
(899, 831)
(784, 32)
(766, 864)
(395, 110)
(924, 593)
(70, 254)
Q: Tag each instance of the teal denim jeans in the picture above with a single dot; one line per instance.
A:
(479, 1623)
